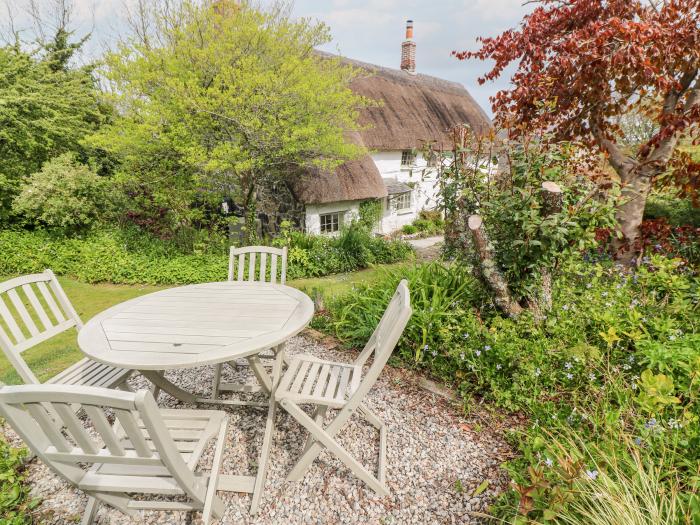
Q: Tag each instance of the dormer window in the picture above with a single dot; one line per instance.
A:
(408, 158)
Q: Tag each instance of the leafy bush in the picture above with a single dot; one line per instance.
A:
(429, 222)
(617, 360)
(14, 494)
(130, 256)
(64, 194)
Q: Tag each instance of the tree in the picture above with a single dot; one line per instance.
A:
(583, 65)
(552, 214)
(47, 106)
(237, 93)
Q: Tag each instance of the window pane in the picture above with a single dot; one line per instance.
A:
(407, 158)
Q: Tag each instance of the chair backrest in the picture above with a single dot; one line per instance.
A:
(33, 308)
(239, 270)
(139, 437)
(384, 338)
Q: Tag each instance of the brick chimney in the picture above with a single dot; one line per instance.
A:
(408, 50)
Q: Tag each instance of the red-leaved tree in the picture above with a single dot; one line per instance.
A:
(583, 65)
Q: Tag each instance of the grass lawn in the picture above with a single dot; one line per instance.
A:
(50, 357)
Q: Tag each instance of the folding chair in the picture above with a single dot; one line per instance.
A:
(148, 451)
(250, 264)
(341, 386)
(41, 311)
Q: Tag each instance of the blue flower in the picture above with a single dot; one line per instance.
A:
(592, 474)
(650, 424)
(637, 441)
(487, 347)
(548, 462)
(478, 353)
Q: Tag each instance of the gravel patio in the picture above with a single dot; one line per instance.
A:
(431, 446)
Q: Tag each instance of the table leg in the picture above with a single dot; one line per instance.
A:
(163, 384)
(269, 431)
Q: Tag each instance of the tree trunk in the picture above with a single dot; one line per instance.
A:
(635, 190)
(489, 269)
(250, 216)
(552, 202)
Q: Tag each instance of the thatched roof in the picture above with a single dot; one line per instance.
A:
(414, 109)
(354, 180)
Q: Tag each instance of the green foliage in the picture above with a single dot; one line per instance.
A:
(679, 212)
(15, 502)
(370, 213)
(45, 110)
(233, 98)
(131, 257)
(528, 234)
(355, 248)
(429, 222)
(616, 361)
(64, 194)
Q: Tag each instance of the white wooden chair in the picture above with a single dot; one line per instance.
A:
(341, 386)
(41, 311)
(148, 451)
(252, 264)
(256, 269)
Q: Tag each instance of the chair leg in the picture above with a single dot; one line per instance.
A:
(90, 511)
(332, 445)
(318, 416)
(269, 431)
(213, 506)
(217, 381)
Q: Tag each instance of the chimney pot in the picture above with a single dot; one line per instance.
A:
(408, 50)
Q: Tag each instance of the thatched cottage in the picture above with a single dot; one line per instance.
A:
(416, 109)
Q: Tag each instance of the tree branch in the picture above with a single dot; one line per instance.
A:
(620, 162)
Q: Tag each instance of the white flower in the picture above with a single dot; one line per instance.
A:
(461, 356)
(568, 365)
(592, 474)
(498, 366)
(591, 376)
(538, 372)
(487, 347)
(548, 462)
(673, 423)
(671, 337)
(478, 353)
(569, 376)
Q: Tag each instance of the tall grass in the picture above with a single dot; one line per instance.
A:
(619, 488)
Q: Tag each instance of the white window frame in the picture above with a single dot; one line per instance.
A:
(408, 158)
(402, 202)
(337, 223)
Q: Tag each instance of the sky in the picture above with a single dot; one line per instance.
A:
(366, 30)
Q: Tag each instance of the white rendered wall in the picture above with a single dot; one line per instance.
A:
(314, 212)
(422, 179)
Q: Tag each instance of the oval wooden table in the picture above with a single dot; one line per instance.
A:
(203, 324)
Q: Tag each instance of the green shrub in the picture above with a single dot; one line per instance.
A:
(15, 502)
(64, 194)
(423, 225)
(617, 360)
(129, 256)
(409, 229)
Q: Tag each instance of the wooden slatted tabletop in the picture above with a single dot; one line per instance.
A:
(196, 325)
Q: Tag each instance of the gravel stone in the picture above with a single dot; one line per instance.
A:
(430, 447)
